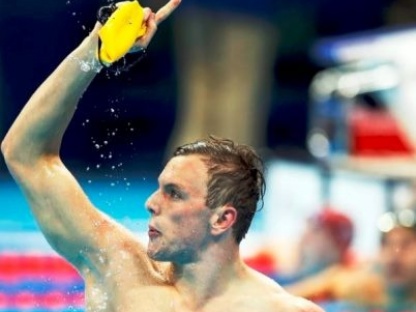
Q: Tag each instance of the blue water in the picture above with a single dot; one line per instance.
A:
(122, 200)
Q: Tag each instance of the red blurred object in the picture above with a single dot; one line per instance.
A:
(54, 299)
(376, 133)
(24, 300)
(263, 262)
(15, 266)
(38, 281)
(4, 301)
(338, 224)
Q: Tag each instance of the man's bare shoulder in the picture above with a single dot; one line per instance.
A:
(267, 295)
(288, 302)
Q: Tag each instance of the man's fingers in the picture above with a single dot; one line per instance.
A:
(151, 29)
(164, 12)
(152, 20)
(146, 13)
(144, 40)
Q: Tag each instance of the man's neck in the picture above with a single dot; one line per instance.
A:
(215, 271)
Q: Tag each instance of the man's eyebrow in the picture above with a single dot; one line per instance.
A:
(172, 185)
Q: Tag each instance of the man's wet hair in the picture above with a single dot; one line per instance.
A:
(235, 177)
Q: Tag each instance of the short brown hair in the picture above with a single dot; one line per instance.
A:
(236, 177)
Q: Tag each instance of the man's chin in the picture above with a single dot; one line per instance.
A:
(156, 255)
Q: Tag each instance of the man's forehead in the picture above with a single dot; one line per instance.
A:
(400, 233)
(188, 168)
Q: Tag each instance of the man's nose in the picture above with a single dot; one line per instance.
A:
(152, 203)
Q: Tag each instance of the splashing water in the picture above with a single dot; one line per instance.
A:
(85, 122)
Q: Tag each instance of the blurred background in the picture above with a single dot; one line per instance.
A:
(323, 89)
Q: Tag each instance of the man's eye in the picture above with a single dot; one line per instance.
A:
(175, 194)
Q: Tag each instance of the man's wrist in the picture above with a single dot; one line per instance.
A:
(86, 56)
(87, 64)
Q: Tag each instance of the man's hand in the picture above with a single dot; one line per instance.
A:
(153, 20)
(149, 24)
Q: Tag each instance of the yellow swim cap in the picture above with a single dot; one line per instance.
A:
(121, 30)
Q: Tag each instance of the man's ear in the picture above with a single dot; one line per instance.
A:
(223, 219)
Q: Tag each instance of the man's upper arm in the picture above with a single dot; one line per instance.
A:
(65, 215)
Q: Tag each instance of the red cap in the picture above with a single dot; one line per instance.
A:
(337, 224)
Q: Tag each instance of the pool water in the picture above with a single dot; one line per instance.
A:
(32, 276)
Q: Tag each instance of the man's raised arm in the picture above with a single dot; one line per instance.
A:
(31, 150)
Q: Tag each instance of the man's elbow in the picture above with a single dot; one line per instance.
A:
(5, 150)
(9, 156)
(15, 159)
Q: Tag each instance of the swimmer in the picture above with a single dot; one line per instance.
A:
(201, 210)
(388, 284)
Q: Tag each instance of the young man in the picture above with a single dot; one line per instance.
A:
(398, 259)
(206, 199)
(388, 285)
(324, 243)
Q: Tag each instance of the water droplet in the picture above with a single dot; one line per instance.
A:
(98, 166)
(97, 146)
(85, 67)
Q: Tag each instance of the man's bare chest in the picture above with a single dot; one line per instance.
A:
(129, 298)
(145, 298)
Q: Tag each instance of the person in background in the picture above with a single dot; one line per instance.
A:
(388, 284)
(325, 243)
(398, 259)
